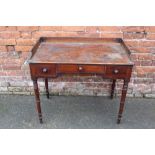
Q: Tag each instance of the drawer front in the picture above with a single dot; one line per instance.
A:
(116, 71)
(67, 68)
(96, 69)
(92, 69)
(43, 70)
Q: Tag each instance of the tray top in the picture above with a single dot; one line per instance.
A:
(84, 51)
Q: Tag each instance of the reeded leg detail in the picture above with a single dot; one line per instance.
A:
(124, 91)
(46, 86)
(37, 97)
(113, 88)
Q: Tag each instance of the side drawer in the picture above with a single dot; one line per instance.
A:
(43, 70)
(116, 71)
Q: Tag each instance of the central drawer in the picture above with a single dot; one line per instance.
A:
(70, 68)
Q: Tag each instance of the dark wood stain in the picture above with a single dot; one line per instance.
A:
(54, 56)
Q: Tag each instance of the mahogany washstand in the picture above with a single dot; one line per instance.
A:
(106, 57)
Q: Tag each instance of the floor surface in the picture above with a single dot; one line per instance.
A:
(76, 112)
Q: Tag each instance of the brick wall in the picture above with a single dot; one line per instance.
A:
(17, 41)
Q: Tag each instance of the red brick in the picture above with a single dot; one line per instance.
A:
(12, 60)
(23, 48)
(14, 73)
(26, 35)
(153, 63)
(11, 67)
(140, 50)
(147, 43)
(24, 55)
(110, 28)
(63, 34)
(7, 42)
(136, 62)
(14, 78)
(26, 42)
(79, 34)
(132, 43)
(3, 55)
(1, 61)
(143, 80)
(2, 73)
(142, 56)
(39, 34)
(2, 28)
(150, 28)
(9, 35)
(111, 35)
(3, 49)
(146, 63)
(11, 28)
(94, 29)
(28, 28)
(151, 49)
(134, 57)
(50, 28)
(133, 29)
(151, 36)
(10, 48)
(73, 28)
(133, 35)
(142, 71)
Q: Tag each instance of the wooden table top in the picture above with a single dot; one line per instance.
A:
(81, 51)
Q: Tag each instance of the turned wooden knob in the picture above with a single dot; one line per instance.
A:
(45, 70)
(116, 71)
(80, 68)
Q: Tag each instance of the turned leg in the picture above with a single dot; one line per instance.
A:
(37, 97)
(122, 102)
(46, 86)
(113, 88)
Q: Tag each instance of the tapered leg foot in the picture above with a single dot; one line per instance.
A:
(47, 95)
(119, 119)
(40, 119)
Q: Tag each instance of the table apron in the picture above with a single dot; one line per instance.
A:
(54, 70)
